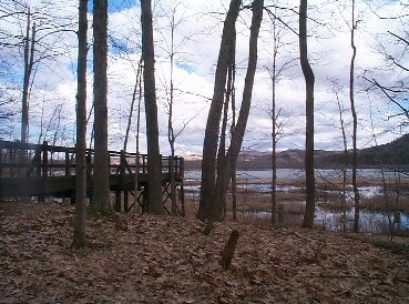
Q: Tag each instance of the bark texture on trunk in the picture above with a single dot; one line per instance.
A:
(221, 154)
(215, 112)
(80, 172)
(217, 188)
(138, 127)
(354, 121)
(171, 131)
(233, 125)
(151, 112)
(274, 145)
(222, 181)
(274, 128)
(309, 108)
(101, 194)
(131, 110)
(345, 160)
(29, 49)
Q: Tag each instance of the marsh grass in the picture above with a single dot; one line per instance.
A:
(379, 203)
(255, 207)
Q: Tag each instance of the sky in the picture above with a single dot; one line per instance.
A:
(197, 41)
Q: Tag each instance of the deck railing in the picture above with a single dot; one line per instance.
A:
(25, 159)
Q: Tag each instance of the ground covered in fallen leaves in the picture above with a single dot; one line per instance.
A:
(163, 259)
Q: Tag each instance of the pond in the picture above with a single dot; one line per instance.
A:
(260, 182)
(369, 221)
(297, 174)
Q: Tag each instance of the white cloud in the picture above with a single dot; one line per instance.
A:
(198, 39)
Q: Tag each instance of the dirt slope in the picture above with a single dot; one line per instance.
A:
(155, 259)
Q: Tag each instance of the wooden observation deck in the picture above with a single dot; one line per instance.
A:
(42, 170)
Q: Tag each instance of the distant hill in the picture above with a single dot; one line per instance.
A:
(395, 153)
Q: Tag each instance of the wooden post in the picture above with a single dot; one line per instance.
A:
(123, 172)
(182, 198)
(1, 162)
(45, 159)
(118, 197)
(44, 168)
(280, 213)
(37, 162)
(126, 201)
(11, 162)
(143, 163)
(118, 200)
(145, 197)
(89, 180)
(181, 178)
(136, 202)
(163, 182)
(182, 167)
(67, 164)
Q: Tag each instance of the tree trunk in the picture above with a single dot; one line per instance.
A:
(221, 155)
(309, 105)
(152, 132)
(29, 49)
(215, 112)
(238, 134)
(274, 148)
(354, 121)
(345, 162)
(274, 131)
(101, 193)
(171, 132)
(233, 125)
(131, 110)
(138, 127)
(81, 173)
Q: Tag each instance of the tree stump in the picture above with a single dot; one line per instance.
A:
(229, 249)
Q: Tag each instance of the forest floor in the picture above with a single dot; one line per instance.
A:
(163, 259)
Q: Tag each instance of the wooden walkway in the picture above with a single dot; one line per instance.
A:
(42, 170)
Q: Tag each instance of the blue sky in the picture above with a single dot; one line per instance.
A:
(194, 73)
(116, 5)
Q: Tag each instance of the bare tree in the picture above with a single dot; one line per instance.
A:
(171, 132)
(214, 187)
(354, 24)
(134, 97)
(275, 71)
(309, 108)
(222, 141)
(32, 36)
(276, 130)
(80, 172)
(138, 125)
(395, 93)
(29, 48)
(273, 77)
(344, 153)
(101, 189)
(152, 133)
(213, 120)
(174, 43)
(233, 125)
(222, 181)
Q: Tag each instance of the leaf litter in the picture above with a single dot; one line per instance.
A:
(163, 259)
